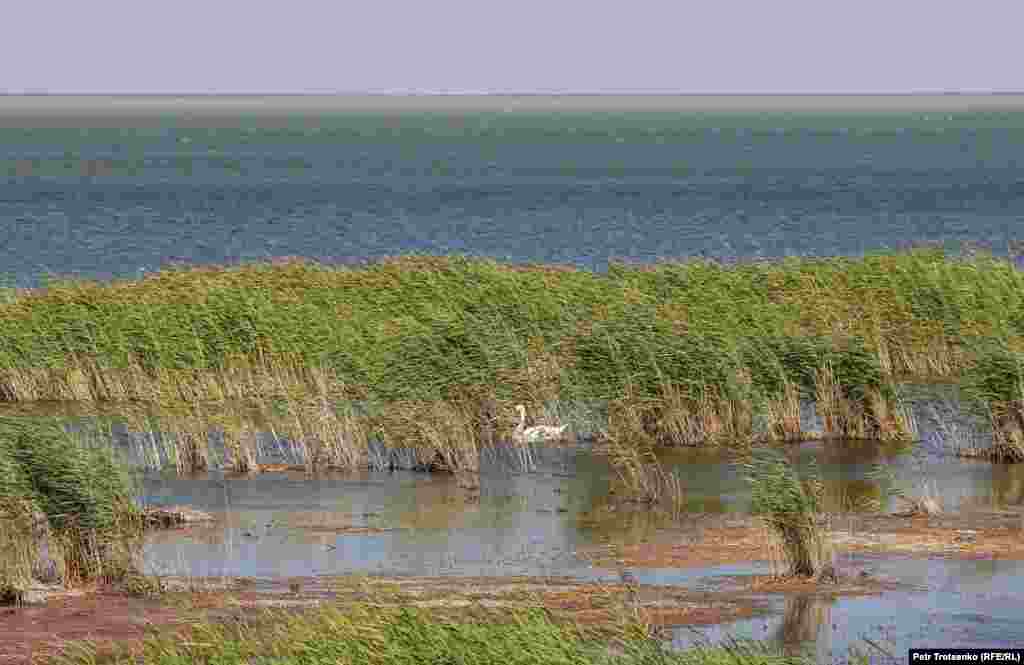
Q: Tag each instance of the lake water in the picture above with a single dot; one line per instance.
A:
(969, 604)
(104, 195)
(101, 195)
(549, 523)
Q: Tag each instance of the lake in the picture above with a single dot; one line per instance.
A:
(103, 191)
(115, 193)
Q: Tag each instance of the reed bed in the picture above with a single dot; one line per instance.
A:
(704, 353)
(996, 381)
(67, 509)
(643, 479)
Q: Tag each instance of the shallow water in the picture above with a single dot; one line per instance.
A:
(527, 523)
(960, 603)
(291, 525)
(287, 524)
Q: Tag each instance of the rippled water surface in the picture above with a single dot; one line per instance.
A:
(543, 523)
(100, 196)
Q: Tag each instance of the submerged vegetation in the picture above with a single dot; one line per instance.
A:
(438, 349)
(66, 510)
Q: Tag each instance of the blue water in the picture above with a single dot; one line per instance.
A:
(101, 198)
(104, 197)
(963, 604)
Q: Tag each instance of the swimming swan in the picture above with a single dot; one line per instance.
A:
(524, 434)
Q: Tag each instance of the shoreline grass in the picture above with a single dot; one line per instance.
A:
(381, 636)
(996, 382)
(67, 513)
(700, 353)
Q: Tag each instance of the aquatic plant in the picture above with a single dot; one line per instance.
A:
(705, 353)
(996, 382)
(441, 435)
(71, 501)
(644, 479)
(18, 512)
(791, 507)
(922, 500)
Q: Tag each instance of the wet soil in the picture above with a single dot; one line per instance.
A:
(968, 535)
(715, 540)
(108, 616)
(105, 617)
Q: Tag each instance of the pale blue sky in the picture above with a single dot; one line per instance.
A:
(312, 46)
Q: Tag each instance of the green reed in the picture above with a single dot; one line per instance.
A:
(792, 507)
(689, 343)
(996, 382)
(73, 500)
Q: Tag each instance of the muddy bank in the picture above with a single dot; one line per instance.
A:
(712, 540)
(125, 615)
(105, 617)
(114, 617)
(169, 517)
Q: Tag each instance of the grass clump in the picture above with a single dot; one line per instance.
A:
(791, 507)
(62, 501)
(18, 512)
(996, 381)
(374, 636)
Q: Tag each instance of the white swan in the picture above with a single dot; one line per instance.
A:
(524, 434)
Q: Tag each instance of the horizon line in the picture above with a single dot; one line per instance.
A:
(917, 93)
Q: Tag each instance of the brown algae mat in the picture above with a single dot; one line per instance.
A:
(716, 540)
(111, 618)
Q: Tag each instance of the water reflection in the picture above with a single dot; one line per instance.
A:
(953, 602)
(1007, 485)
(285, 524)
(803, 620)
(567, 503)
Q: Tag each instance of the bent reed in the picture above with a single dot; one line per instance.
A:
(67, 513)
(695, 353)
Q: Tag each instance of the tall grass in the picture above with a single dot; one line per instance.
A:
(68, 500)
(18, 521)
(996, 381)
(375, 636)
(791, 507)
(703, 351)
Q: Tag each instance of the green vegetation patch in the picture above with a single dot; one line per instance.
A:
(59, 497)
(374, 636)
(791, 506)
(468, 331)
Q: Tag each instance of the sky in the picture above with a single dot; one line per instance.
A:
(520, 46)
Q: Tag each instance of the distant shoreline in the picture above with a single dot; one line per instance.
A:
(72, 104)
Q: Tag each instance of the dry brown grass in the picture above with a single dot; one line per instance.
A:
(443, 436)
(784, 415)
